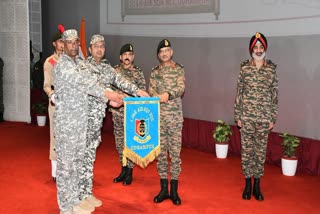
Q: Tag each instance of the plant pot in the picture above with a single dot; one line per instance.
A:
(41, 120)
(289, 166)
(221, 150)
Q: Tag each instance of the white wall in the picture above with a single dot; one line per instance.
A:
(238, 18)
(212, 51)
(14, 50)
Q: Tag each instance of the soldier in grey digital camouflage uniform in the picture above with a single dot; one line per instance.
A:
(256, 109)
(167, 81)
(106, 75)
(73, 82)
(134, 74)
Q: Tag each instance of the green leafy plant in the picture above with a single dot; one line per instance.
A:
(40, 108)
(289, 144)
(222, 132)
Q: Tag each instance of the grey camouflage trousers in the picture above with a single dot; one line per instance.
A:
(92, 143)
(254, 138)
(118, 130)
(170, 142)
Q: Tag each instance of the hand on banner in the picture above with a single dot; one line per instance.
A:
(142, 93)
(113, 96)
(164, 97)
(115, 104)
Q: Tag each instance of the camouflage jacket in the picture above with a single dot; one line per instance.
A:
(257, 92)
(135, 75)
(170, 79)
(96, 107)
(73, 82)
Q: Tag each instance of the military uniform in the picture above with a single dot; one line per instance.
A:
(49, 89)
(256, 106)
(135, 75)
(256, 109)
(106, 76)
(73, 82)
(168, 79)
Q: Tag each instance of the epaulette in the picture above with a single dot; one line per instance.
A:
(137, 68)
(179, 65)
(116, 67)
(245, 63)
(271, 64)
(155, 67)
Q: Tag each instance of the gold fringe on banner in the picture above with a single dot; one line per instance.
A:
(142, 162)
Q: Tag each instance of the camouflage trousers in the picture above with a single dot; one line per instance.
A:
(92, 143)
(170, 142)
(118, 130)
(254, 138)
(70, 154)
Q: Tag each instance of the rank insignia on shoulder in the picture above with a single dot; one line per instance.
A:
(137, 68)
(155, 67)
(179, 65)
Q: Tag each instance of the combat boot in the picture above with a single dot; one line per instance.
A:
(246, 195)
(164, 193)
(122, 175)
(174, 192)
(128, 178)
(256, 190)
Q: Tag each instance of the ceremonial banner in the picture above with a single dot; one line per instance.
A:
(141, 130)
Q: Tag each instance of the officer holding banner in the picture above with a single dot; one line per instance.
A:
(167, 81)
(134, 74)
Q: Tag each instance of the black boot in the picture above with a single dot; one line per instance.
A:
(122, 175)
(164, 193)
(128, 179)
(174, 192)
(256, 190)
(246, 195)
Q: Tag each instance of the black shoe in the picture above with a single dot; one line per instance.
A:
(128, 179)
(174, 196)
(164, 193)
(246, 195)
(122, 175)
(256, 190)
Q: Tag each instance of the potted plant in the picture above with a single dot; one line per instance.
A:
(289, 160)
(40, 109)
(221, 134)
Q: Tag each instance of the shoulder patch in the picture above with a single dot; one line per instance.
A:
(155, 67)
(137, 68)
(271, 64)
(245, 63)
(179, 65)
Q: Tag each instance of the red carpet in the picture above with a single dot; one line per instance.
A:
(207, 184)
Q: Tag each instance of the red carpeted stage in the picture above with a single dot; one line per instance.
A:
(207, 184)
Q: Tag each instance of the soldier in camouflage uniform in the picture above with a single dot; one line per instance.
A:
(73, 82)
(106, 76)
(167, 81)
(48, 87)
(135, 75)
(256, 109)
